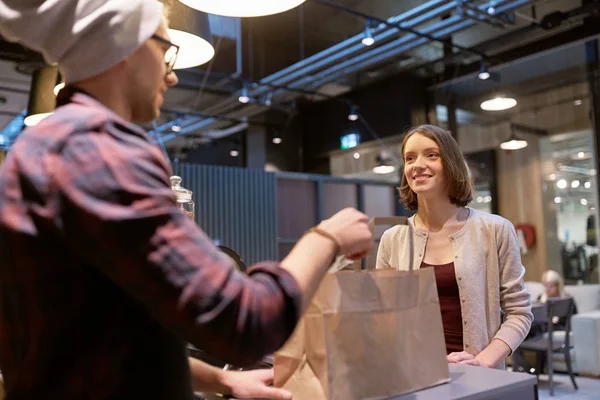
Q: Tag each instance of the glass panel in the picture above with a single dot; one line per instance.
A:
(570, 201)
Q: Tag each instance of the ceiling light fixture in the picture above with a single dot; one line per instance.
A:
(368, 39)
(583, 202)
(33, 120)
(356, 156)
(244, 96)
(483, 72)
(561, 184)
(557, 200)
(190, 30)
(234, 153)
(353, 114)
(384, 163)
(587, 185)
(243, 8)
(575, 184)
(58, 88)
(277, 140)
(577, 102)
(498, 104)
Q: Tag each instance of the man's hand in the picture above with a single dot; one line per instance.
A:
(253, 384)
(351, 230)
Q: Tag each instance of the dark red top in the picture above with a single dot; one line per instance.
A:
(449, 304)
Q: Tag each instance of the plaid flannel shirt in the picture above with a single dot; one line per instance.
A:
(103, 279)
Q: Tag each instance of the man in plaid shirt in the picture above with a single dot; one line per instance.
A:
(103, 279)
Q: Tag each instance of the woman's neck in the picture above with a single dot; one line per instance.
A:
(434, 214)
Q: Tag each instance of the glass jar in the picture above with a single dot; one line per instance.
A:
(184, 196)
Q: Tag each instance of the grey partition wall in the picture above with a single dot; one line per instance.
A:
(235, 207)
(261, 215)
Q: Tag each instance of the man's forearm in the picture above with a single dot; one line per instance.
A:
(206, 378)
(308, 262)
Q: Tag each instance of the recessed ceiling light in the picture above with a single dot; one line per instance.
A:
(561, 184)
(557, 200)
(234, 153)
(356, 156)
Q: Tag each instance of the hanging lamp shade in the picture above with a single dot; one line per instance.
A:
(41, 102)
(514, 142)
(190, 30)
(243, 8)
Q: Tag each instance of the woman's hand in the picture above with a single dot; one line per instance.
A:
(465, 358)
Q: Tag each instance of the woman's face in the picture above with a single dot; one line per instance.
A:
(551, 289)
(423, 166)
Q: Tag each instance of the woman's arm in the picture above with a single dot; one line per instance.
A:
(515, 300)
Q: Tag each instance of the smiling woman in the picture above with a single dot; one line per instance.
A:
(475, 255)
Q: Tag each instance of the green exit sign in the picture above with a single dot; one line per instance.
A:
(349, 141)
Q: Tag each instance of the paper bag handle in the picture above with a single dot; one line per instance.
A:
(370, 257)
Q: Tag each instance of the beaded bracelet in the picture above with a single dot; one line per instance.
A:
(328, 235)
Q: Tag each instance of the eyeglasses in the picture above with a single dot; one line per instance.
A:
(171, 53)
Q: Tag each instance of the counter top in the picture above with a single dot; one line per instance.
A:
(473, 383)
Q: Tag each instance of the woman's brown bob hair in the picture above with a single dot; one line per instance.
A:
(458, 179)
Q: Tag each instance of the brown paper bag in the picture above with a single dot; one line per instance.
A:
(366, 335)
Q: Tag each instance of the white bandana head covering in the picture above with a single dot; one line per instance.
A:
(84, 37)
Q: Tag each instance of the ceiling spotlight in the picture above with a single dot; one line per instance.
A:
(244, 96)
(356, 156)
(277, 140)
(583, 202)
(479, 199)
(176, 128)
(577, 102)
(491, 10)
(190, 30)
(498, 104)
(269, 99)
(353, 114)
(581, 154)
(575, 184)
(483, 72)
(368, 39)
(561, 184)
(552, 177)
(243, 8)
(33, 120)
(557, 200)
(234, 153)
(58, 88)
(587, 185)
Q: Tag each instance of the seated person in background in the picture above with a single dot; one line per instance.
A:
(554, 287)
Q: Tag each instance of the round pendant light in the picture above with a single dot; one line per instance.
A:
(190, 30)
(513, 144)
(243, 8)
(498, 104)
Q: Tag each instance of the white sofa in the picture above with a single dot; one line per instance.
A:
(585, 335)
